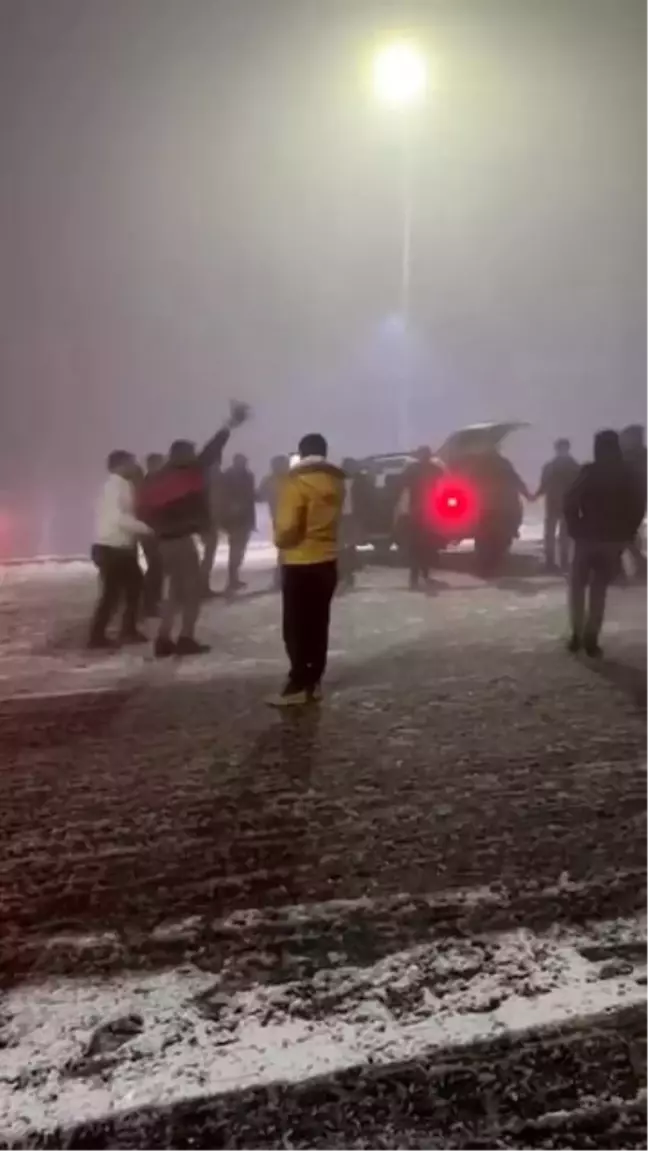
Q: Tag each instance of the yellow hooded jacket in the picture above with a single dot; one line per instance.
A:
(307, 516)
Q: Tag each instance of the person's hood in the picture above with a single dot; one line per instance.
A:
(310, 464)
(607, 449)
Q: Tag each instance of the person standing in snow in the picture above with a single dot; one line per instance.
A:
(238, 516)
(411, 509)
(557, 477)
(306, 529)
(603, 510)
(175, 503)
(114, 553)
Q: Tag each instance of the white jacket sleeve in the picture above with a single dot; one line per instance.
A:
(125, 517)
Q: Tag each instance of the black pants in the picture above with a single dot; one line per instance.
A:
(121, 585)
(555, 525)
(307, 593)
(421, 554)
(238, 539)
(153, 577)
(594, 567)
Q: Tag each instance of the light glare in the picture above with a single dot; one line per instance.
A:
(399, 75)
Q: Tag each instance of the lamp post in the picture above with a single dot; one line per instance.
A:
(399, 83)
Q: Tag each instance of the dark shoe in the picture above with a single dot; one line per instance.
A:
(163, 648)
(134, 637)
(592, 648)
(574, 644)
(102, 643)
(186, 645)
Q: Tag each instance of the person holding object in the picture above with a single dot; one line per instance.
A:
(306, 526)
(603, 510)
(114, 552)
(175, 503)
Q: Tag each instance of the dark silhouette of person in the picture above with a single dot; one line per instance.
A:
(603, 510)
(238, 515)
(411, 510)
(556, 478)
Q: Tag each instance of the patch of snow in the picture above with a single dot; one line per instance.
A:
(196, 1038)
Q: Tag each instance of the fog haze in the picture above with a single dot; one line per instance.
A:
(198, 200)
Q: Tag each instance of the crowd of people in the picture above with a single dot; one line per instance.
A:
(593, 514)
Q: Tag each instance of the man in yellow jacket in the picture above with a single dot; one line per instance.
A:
(306, 524)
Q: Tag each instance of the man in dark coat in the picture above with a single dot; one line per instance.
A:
(238, 515)
(418, 480)
(175, 502)
(603, 510)
(557, 477)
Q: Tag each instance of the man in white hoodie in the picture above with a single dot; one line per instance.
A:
(114, 552)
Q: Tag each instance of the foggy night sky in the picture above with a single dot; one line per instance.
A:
(198, 200)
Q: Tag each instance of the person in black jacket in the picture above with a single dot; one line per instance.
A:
(417, 481)
(175, 503)
(238, 515)
(603, 510)
(557, 477)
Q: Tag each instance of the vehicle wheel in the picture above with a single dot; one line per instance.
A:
(383, 553)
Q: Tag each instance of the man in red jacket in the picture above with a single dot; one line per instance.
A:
(174, 501)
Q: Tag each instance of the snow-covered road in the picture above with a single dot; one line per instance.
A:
(227, 928)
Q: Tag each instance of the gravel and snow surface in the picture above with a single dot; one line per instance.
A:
(413, 917)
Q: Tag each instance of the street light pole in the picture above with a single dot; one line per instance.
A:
(407, 208)
(400, 82)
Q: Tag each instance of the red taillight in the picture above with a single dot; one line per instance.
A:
(452, 505)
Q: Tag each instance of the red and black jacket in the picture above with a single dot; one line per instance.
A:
(175, 501)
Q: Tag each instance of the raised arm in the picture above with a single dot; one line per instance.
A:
(212, 453)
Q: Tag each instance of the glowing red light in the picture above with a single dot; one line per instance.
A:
(452, 506)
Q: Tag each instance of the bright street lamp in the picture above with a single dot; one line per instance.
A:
(400, 80)
(399, 75)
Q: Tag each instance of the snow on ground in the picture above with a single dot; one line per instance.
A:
(73, 1051)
